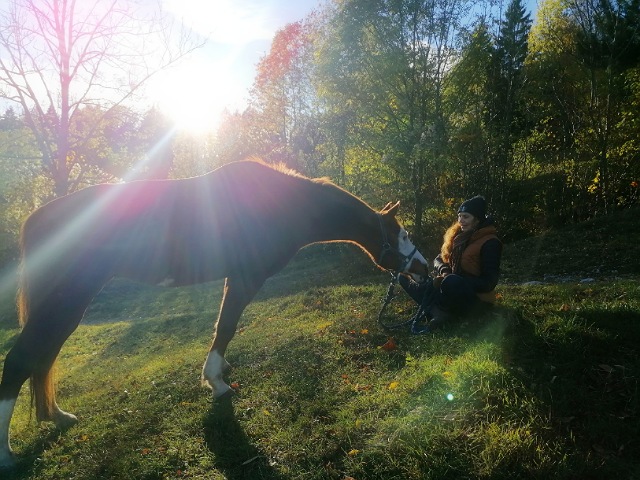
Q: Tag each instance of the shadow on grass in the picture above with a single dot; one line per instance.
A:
(234, 454)
(28, 459)
(582, 366)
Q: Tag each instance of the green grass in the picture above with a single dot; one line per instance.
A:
(545, 386)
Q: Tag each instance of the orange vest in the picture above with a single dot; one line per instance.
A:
(470, 261)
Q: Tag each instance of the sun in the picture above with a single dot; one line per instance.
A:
(193, 94)
(219, 75)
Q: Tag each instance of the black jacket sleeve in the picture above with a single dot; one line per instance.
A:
(490, 255)
(440, 266)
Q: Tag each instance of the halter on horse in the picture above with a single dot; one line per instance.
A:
(242, 222)
(405, 260)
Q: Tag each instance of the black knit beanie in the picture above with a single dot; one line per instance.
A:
(476, 206)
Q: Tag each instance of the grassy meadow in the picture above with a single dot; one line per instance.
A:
(545, 386)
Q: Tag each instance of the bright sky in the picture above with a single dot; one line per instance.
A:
(219, 75)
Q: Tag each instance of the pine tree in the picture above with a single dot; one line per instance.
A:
(505, 122)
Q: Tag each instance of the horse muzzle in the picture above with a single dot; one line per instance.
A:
(413, 264)
(418, 269)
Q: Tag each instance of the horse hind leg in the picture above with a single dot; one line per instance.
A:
(26, 360)
(44, 392)
(16, 371)
(31, 356)
(34, 357)
(37, 349)
(56, 324)
(34, 354)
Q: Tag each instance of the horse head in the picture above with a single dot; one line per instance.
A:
(397, 252)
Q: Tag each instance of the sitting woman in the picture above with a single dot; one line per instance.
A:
(467, 268)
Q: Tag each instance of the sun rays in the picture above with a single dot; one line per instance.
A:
(195, 94)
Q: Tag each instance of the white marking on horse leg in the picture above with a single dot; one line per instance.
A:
(212, 371)
(6, 411)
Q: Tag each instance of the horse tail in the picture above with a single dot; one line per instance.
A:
(42, 378)
(22, 296)
(22, 299)
(43, 392)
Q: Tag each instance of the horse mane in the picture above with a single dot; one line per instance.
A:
(278, 167)
(320, 181)
(284, 168)
(325, 181)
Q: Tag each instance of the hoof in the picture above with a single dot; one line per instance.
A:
(64, 420)
(226, 395)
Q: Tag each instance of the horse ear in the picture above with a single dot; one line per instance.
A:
(391, 209)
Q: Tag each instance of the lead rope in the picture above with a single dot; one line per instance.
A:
(420, 314)
(387, 300)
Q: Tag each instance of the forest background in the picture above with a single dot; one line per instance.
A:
(424, 101)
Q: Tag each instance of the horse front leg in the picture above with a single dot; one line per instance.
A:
(237, 295)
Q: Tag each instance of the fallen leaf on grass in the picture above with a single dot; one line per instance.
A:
(389, 345)
(393, 385)
(353, 452)
(361, 388)
(325, 325)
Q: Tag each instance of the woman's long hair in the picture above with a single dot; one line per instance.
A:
(454, 243)
(447, 243)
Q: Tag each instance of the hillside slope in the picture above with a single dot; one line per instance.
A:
(604, 247)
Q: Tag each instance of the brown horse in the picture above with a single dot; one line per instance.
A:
(243, 222)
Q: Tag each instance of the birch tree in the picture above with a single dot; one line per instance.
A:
(59, 56)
